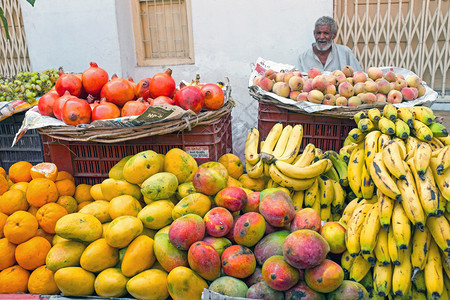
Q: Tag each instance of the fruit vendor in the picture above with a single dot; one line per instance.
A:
(324, 54)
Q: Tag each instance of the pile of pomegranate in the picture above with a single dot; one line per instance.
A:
(90, 96)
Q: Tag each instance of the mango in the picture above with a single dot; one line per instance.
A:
(99, 256)
(195, 203)
(64, 254)
(252, 204)
(232, 198)
(208, 181)
(278, 274)
(218, 221)
(157, 214)
(110, 283)
(334, 234)
(229, 286)
(184, 283)
(302, 291)
(159, 186)
(138, 257)
(306, 218)
(249, 229)
(99, 209)
(325, 277)
(75, 281)
(149, 285)
(141, 166)
(349, 290)
(186, 230)
(276, 206)
(305, 249)
(262, 290)
(112, 188)
(204, 260)
(185, 189)
(124, 205)
(181, 164)
(166, 253)
(122, 230)
(218, 243)
(238, 261)
(79, 227)
(270, 245)
(116, 172)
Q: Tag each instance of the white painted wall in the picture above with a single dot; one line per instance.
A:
(228, 37)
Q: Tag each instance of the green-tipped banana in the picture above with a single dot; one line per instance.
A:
(402, 129)
(374, 114)
(422, 131)
(341, 168)
(390, 112)
(386, 126)
(406, 115)
(438, 129)
(359, 116)
(423, 114)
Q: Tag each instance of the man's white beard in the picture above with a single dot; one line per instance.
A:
(324, 48)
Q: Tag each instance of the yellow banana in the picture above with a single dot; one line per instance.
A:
(359, 116)
(354, 226)
(443, 159)
(395, 253)
(371, 146)
(427, 190)
(383, 140)
(406, 115)
(386, 126)
(410, 199)
(422, 131)
(446, 266)
(311, 194)
(360, 267)
(386, 207)
(271, 184)
(266, 170)
(356, 135)
(442, 180)
(401, 129)
(272, 138)
(325, 213)
(367, 281)
(369, 257)
(318, 154)
(354, 171)
(393, 161)
(401, 276)
(370, 229)
(434, 280)
(401, 226)
(293, 145)
(390, 112)
(346, 151)
(282, 142)
(307, 156)
(423, 114)
(374, 114)
(326, 191)
(346, 262)
(256, 170)
(402, 146)
(339, 197)
(289, 182)
(366, 125)
(382, 279)
(440, 230)
(445, 140)
(332, 174)
(348, 210)
(298, 198)
(251, 146)
(316, 206)
(382, 179)
(420, 247)
(419, 282)
(411, 143)
(422, 158)
(310, 171)
(436, 143)
(381, 250)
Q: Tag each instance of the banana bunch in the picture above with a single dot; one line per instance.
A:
(398, 227)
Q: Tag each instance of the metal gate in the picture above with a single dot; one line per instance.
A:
(411, 34)
(14, 51)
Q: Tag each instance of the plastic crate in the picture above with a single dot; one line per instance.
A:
(326, 133)
(28, 148)
(90, 162)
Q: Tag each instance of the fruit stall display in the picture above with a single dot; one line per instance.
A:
(368, 221)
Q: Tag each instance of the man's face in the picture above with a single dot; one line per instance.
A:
(324, 37)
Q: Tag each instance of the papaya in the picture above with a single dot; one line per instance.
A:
(111, 283)
(75, 281)
(184, 283)
(159, 186)
(79, 227)
(122, 230)
(64, 254)
(112, 188)
(116, 172)
(181, 164)
(196, 203)
(157, 214)
(141, 166)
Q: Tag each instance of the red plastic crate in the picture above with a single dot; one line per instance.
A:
(90, 162)
(326, 133)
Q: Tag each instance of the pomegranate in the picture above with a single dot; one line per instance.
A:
(142, 88)
(59, 104)
(162, 100)
(69, 82)
(162, 84)
(133, 84)
(134, 108)
(189, 97)
(93, 79)
(76, 111)
(46, 103)
(94, 104)
(105, 110)
(213, 96)
(118, 91)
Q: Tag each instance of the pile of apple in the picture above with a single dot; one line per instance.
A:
(342, 87)
(82, 98)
